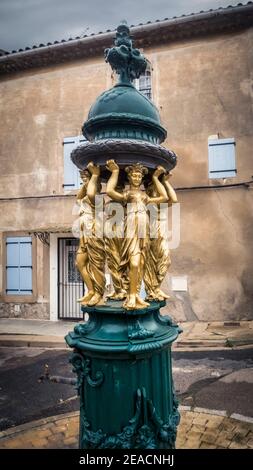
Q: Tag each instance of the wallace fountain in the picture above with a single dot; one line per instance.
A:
(122, 354)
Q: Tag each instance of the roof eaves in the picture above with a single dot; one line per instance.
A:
(170, 28)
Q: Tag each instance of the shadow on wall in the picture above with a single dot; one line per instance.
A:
(179, 307)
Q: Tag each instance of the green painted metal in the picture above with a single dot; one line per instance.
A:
(123, 112)
(126, 60)
(123, 363)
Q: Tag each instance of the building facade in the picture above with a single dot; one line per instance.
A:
(200, 78)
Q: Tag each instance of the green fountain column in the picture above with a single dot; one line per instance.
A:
(123, 364)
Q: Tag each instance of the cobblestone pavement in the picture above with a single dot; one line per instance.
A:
(197, 430)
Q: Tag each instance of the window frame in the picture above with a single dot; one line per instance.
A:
(137, 82)
(222, 173)
(23, 298)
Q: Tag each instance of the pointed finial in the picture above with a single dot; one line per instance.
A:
(127, 61)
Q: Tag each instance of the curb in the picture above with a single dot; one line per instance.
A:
(236, 416)
(37, 423)
(34, 341)
(213, 344)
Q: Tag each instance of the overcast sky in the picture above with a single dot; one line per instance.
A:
(31, 22)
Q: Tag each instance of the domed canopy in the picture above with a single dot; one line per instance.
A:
(124, 112)
(123, 124)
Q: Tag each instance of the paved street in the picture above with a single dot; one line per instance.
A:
(22, 397)
(218, 380)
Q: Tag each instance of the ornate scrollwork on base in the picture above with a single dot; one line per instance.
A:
(100, 440)
(82, 367)
(138, 331)
(166, 432)
(83, 328)
(145, 430)
(167, 320)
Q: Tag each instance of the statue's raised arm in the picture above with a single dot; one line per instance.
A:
(112, 166)
(94, 183)
(162, 193)
(85, 177)
(170, 190)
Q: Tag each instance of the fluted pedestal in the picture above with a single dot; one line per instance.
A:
(123, 364)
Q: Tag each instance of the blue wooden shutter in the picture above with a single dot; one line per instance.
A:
(221, 155)
(72, 178)
(19, 266)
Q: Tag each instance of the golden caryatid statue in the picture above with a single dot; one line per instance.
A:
(90, 258)
(135, 244)
(136, 247)
(158, 257)
(114, 235)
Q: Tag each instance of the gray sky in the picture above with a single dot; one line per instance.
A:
(31, 22)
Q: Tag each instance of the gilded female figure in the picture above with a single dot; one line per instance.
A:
(114, 235)
(135, 244)
(158, 258)
(90, 258)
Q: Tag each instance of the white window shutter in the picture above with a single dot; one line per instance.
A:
(221, 157)
(69, 168)
(72, 178)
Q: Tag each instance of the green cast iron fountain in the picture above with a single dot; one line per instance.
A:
(122, 357)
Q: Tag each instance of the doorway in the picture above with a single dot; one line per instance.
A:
(70, 284)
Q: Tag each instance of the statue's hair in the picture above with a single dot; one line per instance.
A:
(149, 186)
(85, 173)
(136, 167)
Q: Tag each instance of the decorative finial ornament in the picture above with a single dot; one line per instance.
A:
(127, 61)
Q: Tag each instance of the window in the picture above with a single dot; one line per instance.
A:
(73, 273)
(143, 84)
(72, 178)
(221, 157)
(19, 266)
